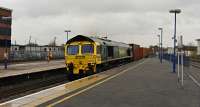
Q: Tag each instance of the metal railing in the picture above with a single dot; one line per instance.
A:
(186, 59)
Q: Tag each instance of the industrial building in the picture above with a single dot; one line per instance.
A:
(5, 30)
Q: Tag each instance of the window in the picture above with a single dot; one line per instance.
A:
(5, 43)
(87, 48)
(5, 31)
(8, 22)
(72, 49)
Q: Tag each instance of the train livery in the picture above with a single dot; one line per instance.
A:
(87, 55)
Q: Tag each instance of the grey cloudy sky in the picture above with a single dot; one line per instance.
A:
(130, 21)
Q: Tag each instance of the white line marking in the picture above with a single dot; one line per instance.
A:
(62, 85)
(90, 87)
(42, 91)
(194, 80)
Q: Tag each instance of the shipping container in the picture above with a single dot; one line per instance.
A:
(141, 52)
(137, 54)
(135, 51)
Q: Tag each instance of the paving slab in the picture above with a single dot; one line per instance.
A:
(66, 88)
(149, 85)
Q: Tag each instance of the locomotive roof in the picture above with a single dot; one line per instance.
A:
(96, 39)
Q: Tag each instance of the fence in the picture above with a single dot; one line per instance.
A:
(170, 57)
(34, 55)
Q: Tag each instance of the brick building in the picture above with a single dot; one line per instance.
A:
(5, 30)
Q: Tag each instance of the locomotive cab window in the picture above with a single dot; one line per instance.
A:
(87, 48)
(72, 49)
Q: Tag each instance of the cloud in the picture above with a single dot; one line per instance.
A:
(124, 20)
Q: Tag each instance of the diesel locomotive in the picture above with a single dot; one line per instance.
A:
(87, 55)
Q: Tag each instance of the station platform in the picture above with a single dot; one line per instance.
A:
(30, 67)
(149, 85)
(146, 83)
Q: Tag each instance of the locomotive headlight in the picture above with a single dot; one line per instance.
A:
(91, 64)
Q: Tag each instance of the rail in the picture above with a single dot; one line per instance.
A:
(16, 86)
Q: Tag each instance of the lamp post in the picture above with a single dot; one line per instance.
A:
(159, 46)
(67, 33)
(174, 11)
(161, 43)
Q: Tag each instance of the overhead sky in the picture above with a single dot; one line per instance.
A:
(130, 21)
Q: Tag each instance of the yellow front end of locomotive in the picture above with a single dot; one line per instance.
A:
(81, 57)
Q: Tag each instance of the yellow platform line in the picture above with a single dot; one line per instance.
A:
(92, 86)
(70, 87)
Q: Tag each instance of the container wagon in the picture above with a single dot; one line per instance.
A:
(135, 51)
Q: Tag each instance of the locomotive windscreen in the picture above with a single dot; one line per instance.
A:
(87, 48)
(72, 49)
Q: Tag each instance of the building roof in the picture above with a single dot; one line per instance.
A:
(5, 8)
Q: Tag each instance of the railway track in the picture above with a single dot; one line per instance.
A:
(14, 87)
(194, 71)
(196, 64)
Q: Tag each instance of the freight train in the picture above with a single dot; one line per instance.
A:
(88, 55)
